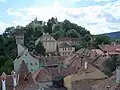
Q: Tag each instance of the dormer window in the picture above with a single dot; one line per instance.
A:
(25, 77)
(31, 64)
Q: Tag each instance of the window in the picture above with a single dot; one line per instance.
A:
(25, 54)
(31, 64)
(65, 53)
(31, 70)
(68, 53)
(35, 64)
(65, 49)
(26, 63)
(70, 48)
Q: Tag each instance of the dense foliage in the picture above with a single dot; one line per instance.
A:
(111, 64)
(35, 29)
(8, 47)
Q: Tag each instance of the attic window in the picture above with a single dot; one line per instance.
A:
(31, 64)
(25, 54)
(31, 70)
(25, 77)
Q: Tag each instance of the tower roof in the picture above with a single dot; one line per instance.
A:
(19, 30)
(24, 73)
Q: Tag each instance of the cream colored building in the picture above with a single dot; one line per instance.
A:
(65, 49)
(48, 41)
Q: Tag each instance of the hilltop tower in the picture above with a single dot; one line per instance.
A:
(19, 35)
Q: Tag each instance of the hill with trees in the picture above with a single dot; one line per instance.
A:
(115, 35)
(32, 31)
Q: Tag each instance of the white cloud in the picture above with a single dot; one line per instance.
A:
(99, 0)
(85, 0)
(2, 1)
(91, 17)
(3, 26)
(13, 13)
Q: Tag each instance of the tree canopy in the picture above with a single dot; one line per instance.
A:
(32, 31)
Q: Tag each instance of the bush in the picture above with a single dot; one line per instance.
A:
(107, 72)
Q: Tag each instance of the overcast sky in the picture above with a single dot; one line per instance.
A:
(97, 16)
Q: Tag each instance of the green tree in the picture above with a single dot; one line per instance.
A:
(56, 28)
(102, 39)
(87, 38)
(31, 46)
(39, 49)
(38, 32)
(72, 33)
(58, 34)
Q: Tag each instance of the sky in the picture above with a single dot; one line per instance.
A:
(97, 16)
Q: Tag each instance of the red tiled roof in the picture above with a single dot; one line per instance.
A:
(110, 48)
(41, 75)
(9, 82)
(56, 72)
(37, 57)
(54, 60)
(105, 83)
(75, 60)
(64, 39)
(68, 39)
(64, 45)
(24, 72)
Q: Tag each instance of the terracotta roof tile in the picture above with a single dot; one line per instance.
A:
(54, 60)
(41, 75)
(64, 45)
(105, 83)
(111, 49)
(56, 72)
(24, 73)
(64, 39)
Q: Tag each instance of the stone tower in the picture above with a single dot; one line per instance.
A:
(19, 35)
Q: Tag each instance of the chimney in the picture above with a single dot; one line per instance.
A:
(86, 65)
(3, 78)
(43, 33)
(14, 76)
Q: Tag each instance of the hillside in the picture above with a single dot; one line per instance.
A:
(114, 35)
(32, 32)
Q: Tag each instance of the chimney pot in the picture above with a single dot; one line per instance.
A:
(86, 63)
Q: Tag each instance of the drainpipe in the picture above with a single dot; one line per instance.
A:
(3, 77)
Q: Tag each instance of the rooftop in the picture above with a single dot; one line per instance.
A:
(64, 45)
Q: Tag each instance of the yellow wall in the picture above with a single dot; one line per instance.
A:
(67, 82)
